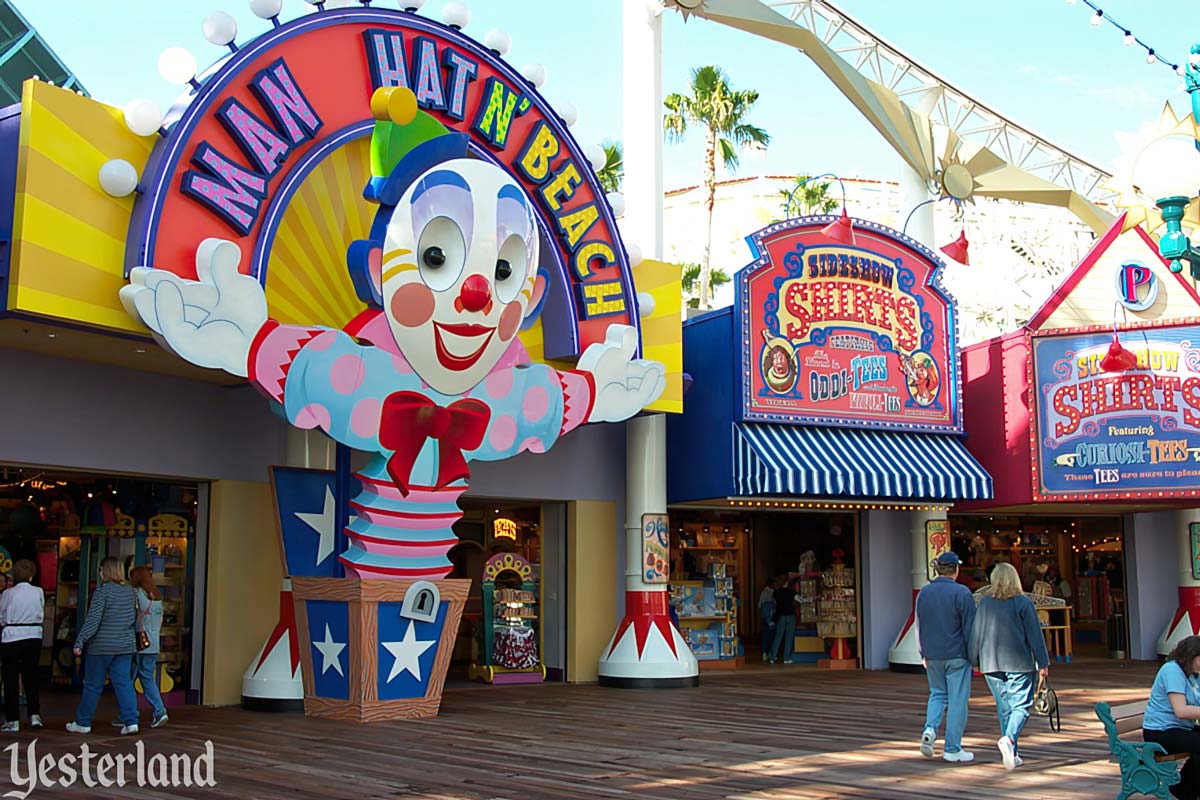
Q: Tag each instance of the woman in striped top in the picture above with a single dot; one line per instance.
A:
(108, 633)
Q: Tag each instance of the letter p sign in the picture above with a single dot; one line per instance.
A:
(1137, 286)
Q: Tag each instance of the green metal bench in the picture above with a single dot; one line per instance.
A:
(1146, 768)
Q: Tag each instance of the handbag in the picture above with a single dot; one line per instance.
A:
(1045, 704)
(143, 638)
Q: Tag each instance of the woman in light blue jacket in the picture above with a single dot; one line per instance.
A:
(150, 613)
(1008, 647)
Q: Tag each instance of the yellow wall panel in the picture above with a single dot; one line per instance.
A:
(591, 574)
(242, 594)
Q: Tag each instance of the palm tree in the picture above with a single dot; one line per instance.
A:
(613, 171)
(721, 111)
(805, 199)
(690, 276)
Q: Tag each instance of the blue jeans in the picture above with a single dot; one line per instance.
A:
(785, 635)
(116, 668)
(949, 691)
(146, 663)
(768, 634)
(1014, 693)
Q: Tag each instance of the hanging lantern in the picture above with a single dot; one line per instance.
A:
(957, 250)
(840, 230)
(1117, 359)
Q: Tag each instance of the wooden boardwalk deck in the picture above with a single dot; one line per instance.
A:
(757, 734)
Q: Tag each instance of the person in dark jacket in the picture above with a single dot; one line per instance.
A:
(945, 612)
(785, 623)
(1008, 647)
(108, 633)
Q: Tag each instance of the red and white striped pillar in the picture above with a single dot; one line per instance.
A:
(1186, 621)
(647, 651)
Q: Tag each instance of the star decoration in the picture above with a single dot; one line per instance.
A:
(323, 523)
(331, 653)
(406, 654)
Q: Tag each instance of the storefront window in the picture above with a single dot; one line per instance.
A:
(1079, 560)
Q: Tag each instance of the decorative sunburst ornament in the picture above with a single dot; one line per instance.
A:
(954, 178)
(1151, 157)
(685, 7)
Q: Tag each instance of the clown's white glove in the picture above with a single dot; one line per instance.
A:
(624, 384)
(211, 322)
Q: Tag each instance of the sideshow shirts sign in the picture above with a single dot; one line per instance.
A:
(846, 334)
(1134, 434)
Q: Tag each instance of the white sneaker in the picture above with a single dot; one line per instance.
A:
(10, 727)
(158, 722)
(74, 728)
(962, 756)
(35, 721)
(1018, 760)
(128, 729)
(928, 737)
(1007, 752)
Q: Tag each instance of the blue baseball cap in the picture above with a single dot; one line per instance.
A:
(949, 559)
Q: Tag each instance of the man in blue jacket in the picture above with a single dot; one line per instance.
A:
(945, 612)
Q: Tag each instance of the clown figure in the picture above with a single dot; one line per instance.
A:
(432, 375)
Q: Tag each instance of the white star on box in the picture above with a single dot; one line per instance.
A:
(407, 654)
(331, 653)
(323, 524)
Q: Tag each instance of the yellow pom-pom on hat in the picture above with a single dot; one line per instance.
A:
(394, 104)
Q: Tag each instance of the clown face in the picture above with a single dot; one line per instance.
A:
(459, 271)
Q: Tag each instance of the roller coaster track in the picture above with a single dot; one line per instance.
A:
(944, 103)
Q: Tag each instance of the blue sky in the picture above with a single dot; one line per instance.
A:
(1038, 62)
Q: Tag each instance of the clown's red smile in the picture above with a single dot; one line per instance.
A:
(460, 346)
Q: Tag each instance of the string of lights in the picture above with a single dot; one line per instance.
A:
(1153, 56)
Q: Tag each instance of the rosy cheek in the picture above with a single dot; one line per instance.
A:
(510, 320)
(412, 305)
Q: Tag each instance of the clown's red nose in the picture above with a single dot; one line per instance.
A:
(476, 293)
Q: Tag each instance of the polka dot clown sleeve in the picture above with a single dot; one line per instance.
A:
(340, 386)
(532, 405)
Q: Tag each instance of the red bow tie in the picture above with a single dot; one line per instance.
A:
(409, 418)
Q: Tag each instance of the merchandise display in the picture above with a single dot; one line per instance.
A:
(508, 648)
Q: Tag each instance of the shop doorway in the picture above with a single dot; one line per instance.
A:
(1078, 560)
(513, 623)
(728, 570)
(67, 522)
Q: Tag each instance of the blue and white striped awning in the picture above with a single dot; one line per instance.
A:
(854, 462)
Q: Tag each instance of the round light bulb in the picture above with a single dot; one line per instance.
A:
(1151, 58)
(596, 157)
(1097, 18)
(497, 41)
(634, 253)
(1180, 71)
(142, 116)
(118, 178)
(1129, 40)
(220, 28)
(412, 5)
(456, 14)
(177, 65)
(266, 9)
(1167, 167)
(535, 74)
(568, 113)
(616, 201)
(645, 302)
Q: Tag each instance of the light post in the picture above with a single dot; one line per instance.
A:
(1174, 245)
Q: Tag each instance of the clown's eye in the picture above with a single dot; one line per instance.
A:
(443, 253)
(511, 268)
(434, 257)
